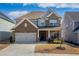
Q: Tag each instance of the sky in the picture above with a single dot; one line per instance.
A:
(14, 10)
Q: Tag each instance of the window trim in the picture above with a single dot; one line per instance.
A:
(53, 23)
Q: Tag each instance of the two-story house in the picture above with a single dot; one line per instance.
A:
(70, 27)
(37, 26)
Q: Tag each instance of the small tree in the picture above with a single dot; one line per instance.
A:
(60, 46)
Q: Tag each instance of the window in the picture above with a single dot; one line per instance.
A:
(41, 22)
(25, 24)
(54, 35)
(53, 22)
(75, 25)
(34, 21)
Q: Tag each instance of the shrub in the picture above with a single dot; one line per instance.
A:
(56, 41)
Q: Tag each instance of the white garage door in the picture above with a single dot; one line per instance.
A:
(25, 37)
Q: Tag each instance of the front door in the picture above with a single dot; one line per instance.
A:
(42, 35)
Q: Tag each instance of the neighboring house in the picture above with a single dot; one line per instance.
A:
(70, 27)
(5, 26)
(37, 26)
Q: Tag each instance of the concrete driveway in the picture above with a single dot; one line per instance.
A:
(21, 50)
(18, 50)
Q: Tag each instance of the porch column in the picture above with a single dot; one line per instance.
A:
(48, 33)
(59, 35)
(38, 35)
(53, 34)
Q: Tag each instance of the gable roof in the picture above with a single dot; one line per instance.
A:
(3, 16)
(38, 14)
(50, 12)
(54, 14)
(31, 16)
(35, 15)
(27, 20)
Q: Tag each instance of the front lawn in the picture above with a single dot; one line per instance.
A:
(51, 48)
(4, 44)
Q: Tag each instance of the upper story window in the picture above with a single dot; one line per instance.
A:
(41, 22)
(53, 22)
(34, 21)
(75, 25)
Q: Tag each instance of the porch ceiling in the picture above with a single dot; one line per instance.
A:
(51, 29)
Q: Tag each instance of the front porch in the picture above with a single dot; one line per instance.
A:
(45, 34)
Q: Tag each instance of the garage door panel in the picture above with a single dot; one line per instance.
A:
(25, 37)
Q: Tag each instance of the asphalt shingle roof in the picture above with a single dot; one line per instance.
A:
(32, 15)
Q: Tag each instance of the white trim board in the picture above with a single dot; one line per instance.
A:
(53, 13)
(27, 20)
